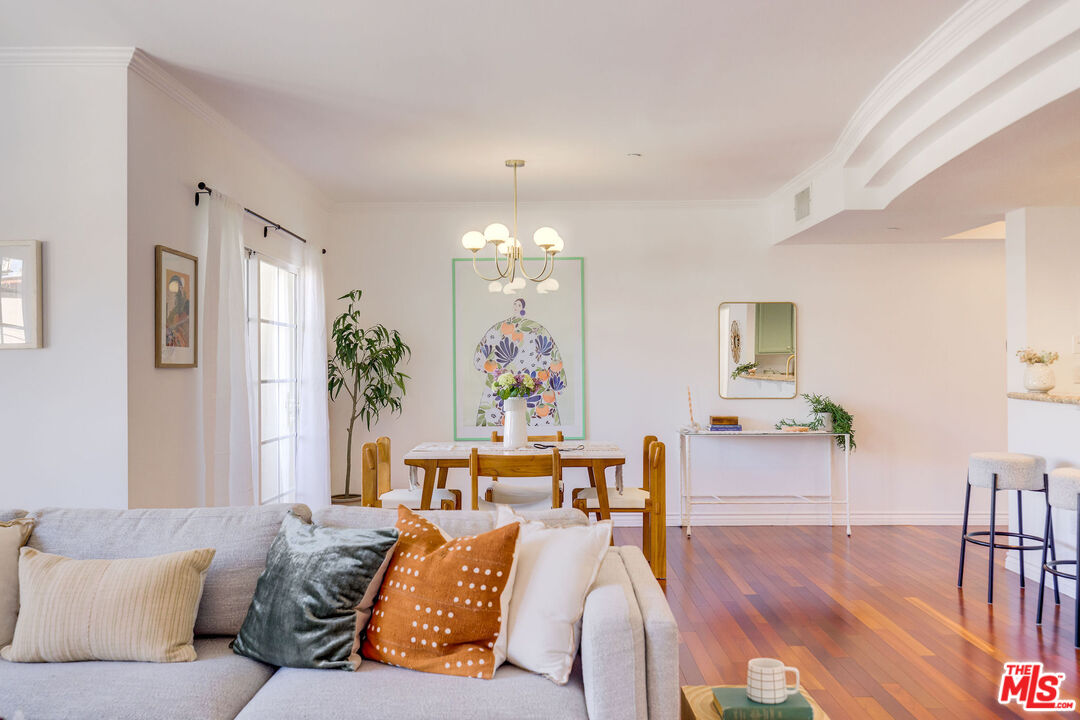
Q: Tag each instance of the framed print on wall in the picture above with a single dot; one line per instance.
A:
(20, 294)
(176, 332)
(534, 330)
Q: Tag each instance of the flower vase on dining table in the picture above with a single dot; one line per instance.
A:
(515, 424)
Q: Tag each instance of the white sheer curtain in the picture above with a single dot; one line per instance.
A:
(313, 423)
(229, 440)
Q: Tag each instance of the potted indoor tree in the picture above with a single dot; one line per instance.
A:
(364, 364)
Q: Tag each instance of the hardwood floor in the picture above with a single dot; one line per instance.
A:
(875, 623)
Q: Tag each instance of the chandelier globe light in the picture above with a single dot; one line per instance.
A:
(509, 254)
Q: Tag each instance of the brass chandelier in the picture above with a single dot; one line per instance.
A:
(509, 247)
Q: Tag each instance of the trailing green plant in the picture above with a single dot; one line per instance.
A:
(365, 364)
(843, 421)
(815, 424)
(743, 369)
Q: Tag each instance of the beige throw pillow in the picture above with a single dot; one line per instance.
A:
(140, 609)
(13, 535)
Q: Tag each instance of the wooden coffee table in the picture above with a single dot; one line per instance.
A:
(697, 703)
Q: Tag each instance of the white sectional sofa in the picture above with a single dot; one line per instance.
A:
(627, 668)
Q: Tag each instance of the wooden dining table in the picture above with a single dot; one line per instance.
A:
(436, 459)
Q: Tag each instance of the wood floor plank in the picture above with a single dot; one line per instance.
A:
(875, 622)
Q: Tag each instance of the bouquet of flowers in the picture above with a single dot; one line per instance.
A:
(1030, 357)
(509, 385)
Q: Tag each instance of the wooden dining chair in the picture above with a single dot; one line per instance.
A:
(557, 437)
(517, 466)
(515, 494)
(647, 500)
(376, 489)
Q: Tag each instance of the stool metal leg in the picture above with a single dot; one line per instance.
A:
(1042, 567)
(1076, 587)
(963, 535)
(1020, 527)
(993, 517)
(1049, 538)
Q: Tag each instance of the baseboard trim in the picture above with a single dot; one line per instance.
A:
(817, 518)
(1012, 563)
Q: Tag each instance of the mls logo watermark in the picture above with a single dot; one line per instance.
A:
(1033, 690)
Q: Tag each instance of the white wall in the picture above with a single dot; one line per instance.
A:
(1044, 313)
(907, 337)
(63, 408)
(171, 148)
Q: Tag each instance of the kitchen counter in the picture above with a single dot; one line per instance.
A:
(1046, 398)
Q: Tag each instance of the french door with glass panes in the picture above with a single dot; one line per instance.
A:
(273, 323)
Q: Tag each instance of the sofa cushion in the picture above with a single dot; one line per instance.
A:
(392, 693)
(240, 535)
(13, 535)
(314, 600)
(131, 609)
(556, 568)
(454, 523)
(443, 607)
(214, 687)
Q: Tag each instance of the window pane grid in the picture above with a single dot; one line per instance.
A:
(277, 333)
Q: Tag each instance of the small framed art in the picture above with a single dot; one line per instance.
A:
(20, 294)
(176, 297)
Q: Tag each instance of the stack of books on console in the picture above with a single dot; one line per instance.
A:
(724, 423)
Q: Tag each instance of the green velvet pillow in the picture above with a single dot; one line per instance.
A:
(312, 603)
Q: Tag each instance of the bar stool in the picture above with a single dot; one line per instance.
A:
(1064, 493)
(1003, 471)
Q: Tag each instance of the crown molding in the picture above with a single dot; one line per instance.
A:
(495, 205)
(67, 56)
(144, 66)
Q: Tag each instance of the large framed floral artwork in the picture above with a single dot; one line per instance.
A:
(537, 330)
(176, 296)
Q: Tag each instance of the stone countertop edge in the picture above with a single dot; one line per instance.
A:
(1046, 397)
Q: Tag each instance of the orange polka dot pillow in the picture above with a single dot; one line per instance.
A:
(443, 605)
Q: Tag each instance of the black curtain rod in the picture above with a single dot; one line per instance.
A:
(204, 188)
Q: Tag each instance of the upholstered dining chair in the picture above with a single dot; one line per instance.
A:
(517, 466)
(376, 488)
(533, 496)
(647, 500)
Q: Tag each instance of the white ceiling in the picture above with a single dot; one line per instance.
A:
(406, 100)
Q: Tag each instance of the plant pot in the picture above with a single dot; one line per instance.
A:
(826, 421)
(515, 423)
(1039, 378)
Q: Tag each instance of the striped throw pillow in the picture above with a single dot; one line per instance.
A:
(140, 609)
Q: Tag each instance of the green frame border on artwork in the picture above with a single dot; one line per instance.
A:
(453, 343)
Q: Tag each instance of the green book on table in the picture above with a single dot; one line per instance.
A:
(733, 704)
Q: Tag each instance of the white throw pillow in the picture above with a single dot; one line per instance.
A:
(555, 569)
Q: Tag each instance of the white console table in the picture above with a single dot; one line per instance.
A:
(687, 437)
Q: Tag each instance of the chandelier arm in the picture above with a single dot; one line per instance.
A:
(508, 272)
(476, 268)
(545, 271)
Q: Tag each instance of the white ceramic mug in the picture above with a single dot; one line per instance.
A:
(766, 681)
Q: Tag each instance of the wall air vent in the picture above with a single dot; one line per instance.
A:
(802, 204)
